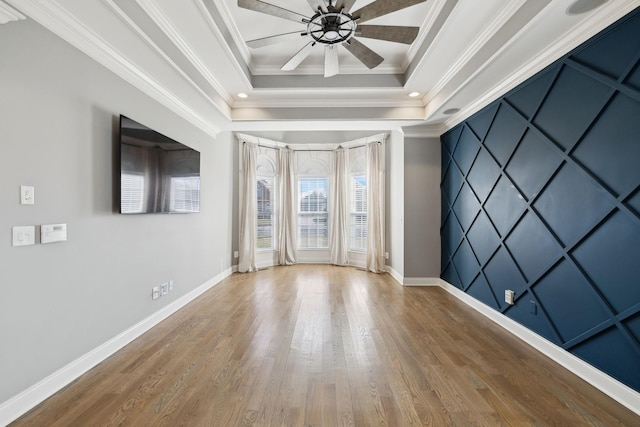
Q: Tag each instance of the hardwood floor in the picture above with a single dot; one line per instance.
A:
(327, 346)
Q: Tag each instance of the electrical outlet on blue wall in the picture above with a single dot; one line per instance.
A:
(533, 309)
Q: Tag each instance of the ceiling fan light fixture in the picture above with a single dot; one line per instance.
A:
(331, 35)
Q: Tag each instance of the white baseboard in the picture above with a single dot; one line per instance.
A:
(610, 386)
(34, 395)
(397, 276)
(421, 281)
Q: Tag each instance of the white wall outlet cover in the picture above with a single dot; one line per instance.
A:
(509, 296)
(24, 235)
(27, 195)
(51, 233)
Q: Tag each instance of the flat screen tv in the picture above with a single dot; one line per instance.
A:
(157, 174)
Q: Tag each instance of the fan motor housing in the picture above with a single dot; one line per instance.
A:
(331, 27)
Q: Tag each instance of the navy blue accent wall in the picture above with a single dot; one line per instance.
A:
(541, 195)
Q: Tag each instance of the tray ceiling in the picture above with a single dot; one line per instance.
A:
(192, 56)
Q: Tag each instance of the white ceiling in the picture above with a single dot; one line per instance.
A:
(191, 55)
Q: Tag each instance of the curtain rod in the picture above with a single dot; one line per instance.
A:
(314, 150)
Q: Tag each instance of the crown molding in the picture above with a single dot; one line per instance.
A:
(164, 23)
(221, 104)
(329, 103)
(265, 70)
(242, 53)
(57, 19)
(483, 38)
(234, 31)
(573, 38)
(9, 14)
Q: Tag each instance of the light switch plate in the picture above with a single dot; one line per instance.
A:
(27, 195)
(51, 233)
(24, 235)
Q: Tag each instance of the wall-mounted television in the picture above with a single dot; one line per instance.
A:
(157, 174)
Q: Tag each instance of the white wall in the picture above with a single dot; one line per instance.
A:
(59, 113)
(422, 207)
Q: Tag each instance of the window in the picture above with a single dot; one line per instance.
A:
(185, 194)
(358, 222)
(132, 188)
(265, 209)
(313, 229)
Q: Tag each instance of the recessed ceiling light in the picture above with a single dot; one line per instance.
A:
(414, 94)
(579, 7)
(243, 95)
(450, 111)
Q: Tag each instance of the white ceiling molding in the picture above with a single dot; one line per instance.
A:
(315, 69)
(191, 57)
(163, 21)
(217, 101)
(9, 14)
(430, 21)
(594, 24)
(53, 16)
(330, 103)
(482, 39)
(234, 33)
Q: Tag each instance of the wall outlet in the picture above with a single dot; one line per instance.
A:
(509, 296)
(236, 254)
(170, 285)
(155, 293)
(533, 308)
(164, 289)
(27, 195)
(386, 255)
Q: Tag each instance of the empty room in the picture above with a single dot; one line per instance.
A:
(320, 212)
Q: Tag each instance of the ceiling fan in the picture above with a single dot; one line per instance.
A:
(332, 25)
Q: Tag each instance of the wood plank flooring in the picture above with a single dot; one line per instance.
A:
(327, 346)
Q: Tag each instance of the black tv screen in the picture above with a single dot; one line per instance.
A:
(157, 174)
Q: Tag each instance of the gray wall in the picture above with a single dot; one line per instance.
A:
(59, 113)
(422, 207)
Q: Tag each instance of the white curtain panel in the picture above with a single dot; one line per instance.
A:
(248, 209)
(286, 207)
(339, 239)
(375, 261)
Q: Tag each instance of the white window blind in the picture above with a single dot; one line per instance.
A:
(313, 229)
(358, 226)
(265, 209)
(185, 194)
(132, 192)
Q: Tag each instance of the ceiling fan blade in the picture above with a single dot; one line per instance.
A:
(363, 53)
(317, 4)
(382, 7)
(331, 66)
(270, 9)
(346, 4)
(390, 33)
(266, 41)
(296, 59)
